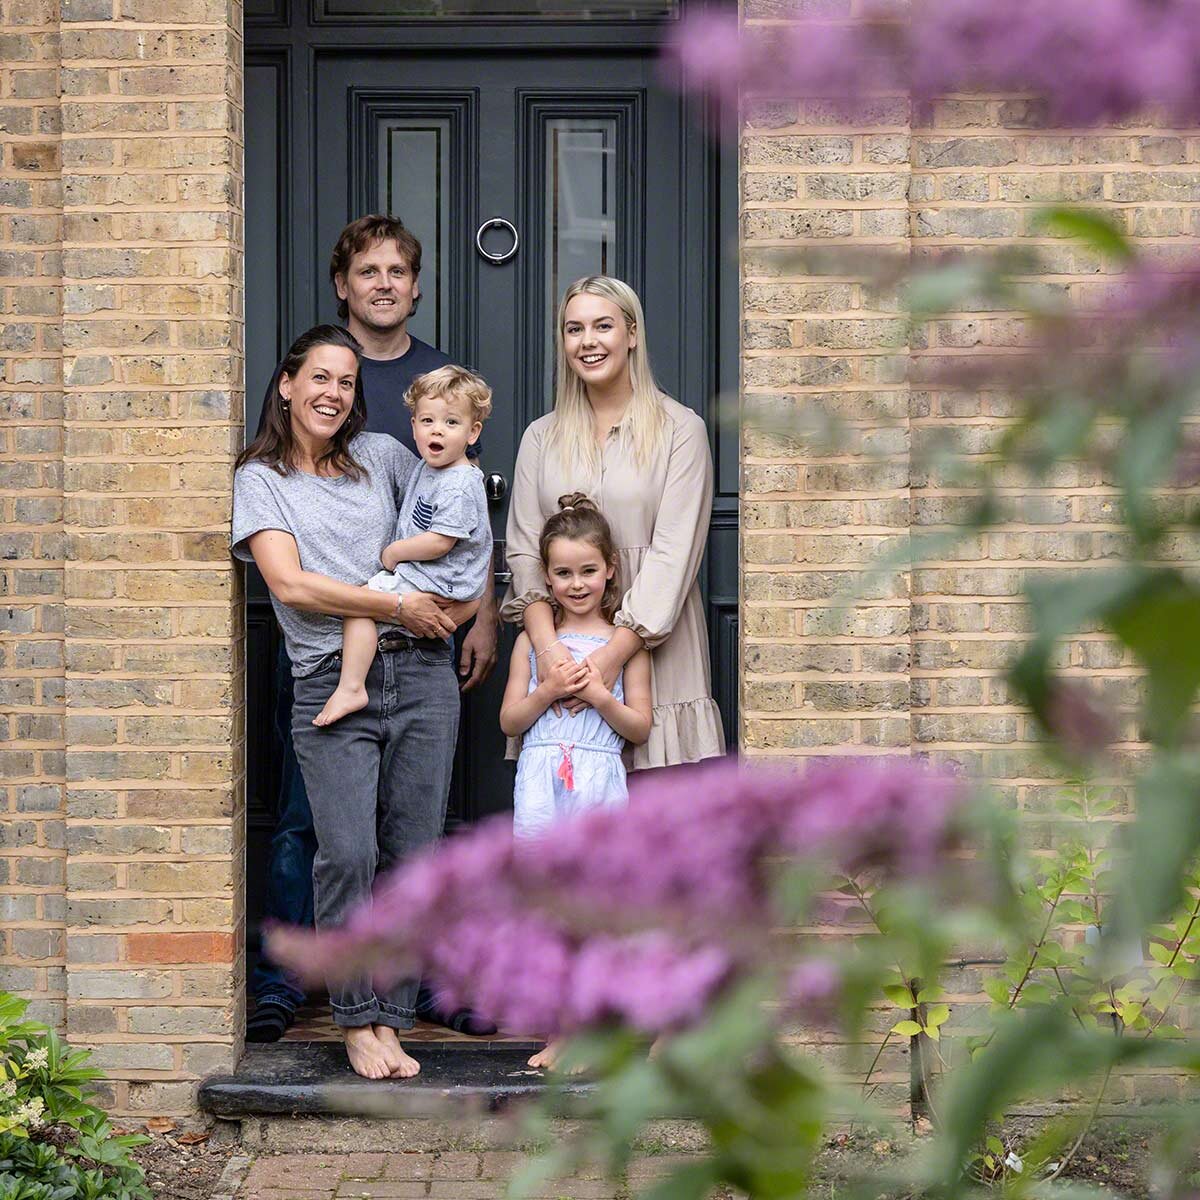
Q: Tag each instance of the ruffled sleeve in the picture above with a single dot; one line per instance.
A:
(524, 528)
(654, 601)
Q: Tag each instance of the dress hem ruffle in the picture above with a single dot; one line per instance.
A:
(683, 732)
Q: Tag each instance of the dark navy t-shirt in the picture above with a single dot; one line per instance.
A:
(384, 385)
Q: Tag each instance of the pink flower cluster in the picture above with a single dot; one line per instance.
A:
(1093, 61)
(640, 915)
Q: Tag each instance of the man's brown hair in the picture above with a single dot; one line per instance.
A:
(361, 235)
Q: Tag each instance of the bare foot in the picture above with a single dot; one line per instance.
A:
(400, 1064)
(366, 1054)
(547, 1057)
(346, 698)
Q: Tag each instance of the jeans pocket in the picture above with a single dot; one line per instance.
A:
(433, 658)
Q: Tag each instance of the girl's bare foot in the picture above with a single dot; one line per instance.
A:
(400, 1064)
(346, 698)
(366, 1053)
(547, 1057)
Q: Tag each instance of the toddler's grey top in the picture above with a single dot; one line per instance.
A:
(341, 526)
(450, 501)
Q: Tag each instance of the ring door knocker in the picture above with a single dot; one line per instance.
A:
(497, 223)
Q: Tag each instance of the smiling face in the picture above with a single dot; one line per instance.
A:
(379, 289)
(577, 575)
(443, 428)
(597, 341)
(321, 394)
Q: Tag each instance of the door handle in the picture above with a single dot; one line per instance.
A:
(495, 487)
(500, 561)
(498, 223)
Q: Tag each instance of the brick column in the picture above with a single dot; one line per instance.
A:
(32, 853)
(152, 336)
(826, 491)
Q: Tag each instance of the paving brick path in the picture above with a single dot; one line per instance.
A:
(445, 1176)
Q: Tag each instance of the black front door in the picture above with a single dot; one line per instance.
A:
(522, 160)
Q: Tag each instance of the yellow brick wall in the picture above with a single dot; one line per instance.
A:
(121, 276)
(121, 903)
(33, 836)
(916, 666)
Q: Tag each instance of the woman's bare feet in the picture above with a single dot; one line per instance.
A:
(367, 1054)
(400, 1064)
(346, 698)
(547, 1057)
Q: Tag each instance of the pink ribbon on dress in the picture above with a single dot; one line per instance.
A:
(566, 766)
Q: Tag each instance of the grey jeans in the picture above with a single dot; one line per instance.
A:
(378, 781)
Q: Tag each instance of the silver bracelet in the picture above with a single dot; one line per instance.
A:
(556, 642)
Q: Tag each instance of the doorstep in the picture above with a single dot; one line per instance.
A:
(314, 1079)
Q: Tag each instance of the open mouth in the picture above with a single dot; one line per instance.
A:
(326, 410)
(436, 447)
(591, 360)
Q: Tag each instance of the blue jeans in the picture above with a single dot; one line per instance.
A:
(293, 846)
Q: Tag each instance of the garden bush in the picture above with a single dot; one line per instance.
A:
(55, 1144)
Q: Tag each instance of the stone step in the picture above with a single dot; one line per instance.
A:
(314, 1079)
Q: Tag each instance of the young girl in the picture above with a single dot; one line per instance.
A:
(572, 763)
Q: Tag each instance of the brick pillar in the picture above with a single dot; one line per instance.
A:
(152, 337)
(32, 853)
(821, 351)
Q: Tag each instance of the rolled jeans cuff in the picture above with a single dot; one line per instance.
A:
(373, 1012)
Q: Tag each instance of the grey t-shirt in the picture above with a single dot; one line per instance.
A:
(340, 525)
(450, 501)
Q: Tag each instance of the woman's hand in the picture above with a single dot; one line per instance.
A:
(607, 662)
(422, 616)
(563, 677)
(595, 690)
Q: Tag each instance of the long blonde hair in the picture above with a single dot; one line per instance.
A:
(572, 430)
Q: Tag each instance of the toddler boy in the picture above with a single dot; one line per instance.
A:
(444, 536)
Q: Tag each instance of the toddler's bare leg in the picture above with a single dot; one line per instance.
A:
(359, 642)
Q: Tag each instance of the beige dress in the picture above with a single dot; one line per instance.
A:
(659, 518)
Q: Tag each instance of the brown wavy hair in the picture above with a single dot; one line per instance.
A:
(579, 520)
(362, 234)
(273, 442)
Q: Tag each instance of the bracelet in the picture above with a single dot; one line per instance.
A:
(399, 603)
(556, 642)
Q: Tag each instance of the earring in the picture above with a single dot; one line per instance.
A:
(285, 404)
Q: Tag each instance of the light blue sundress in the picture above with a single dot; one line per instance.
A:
(568, 764)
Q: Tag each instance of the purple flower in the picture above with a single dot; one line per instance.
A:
(641, 915)
(813, 987)
(1092, 61)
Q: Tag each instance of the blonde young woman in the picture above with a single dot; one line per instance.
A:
(645, 460)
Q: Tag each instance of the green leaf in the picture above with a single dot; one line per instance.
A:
(1160, 953)
(1094, 229)
(906, 1028)
(899, 995)
(937, 1015)
(1150, 622)
(997, 990)
(1163, 840)
(1145, 456)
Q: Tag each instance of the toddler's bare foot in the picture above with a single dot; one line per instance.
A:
(366, 1053)
(346, 698)
(401, 1065)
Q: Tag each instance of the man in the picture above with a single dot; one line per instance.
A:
(375, 271)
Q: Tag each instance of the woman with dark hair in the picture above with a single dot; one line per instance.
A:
(314, 503)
